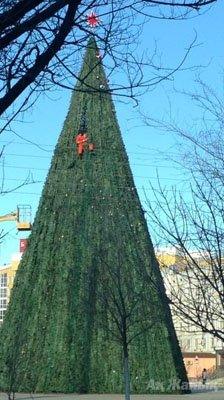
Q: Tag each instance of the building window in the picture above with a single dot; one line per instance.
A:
(204, 343)
(188, 344)
(3, 280)
(196, 344)
(3, 295)
(3, 292)
(3, 303)
(2, 314)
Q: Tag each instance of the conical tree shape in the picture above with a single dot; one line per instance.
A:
(51, 340)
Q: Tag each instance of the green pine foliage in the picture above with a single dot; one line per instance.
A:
(52, 339)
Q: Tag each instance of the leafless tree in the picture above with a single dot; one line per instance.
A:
(191, 219)
(124, 309)
(41, 42)
(130, 297)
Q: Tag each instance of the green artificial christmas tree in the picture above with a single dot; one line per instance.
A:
(54, 337)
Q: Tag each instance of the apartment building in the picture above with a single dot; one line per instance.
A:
(7, 275)
(200, 350)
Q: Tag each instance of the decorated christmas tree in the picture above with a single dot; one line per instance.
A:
(53, 339)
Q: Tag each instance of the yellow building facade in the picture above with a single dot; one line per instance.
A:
(7, 275)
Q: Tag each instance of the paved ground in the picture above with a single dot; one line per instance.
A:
(219, 395)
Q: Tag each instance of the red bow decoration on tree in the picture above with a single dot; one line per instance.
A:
(92, 19)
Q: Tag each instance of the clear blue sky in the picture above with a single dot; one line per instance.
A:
(145, 145)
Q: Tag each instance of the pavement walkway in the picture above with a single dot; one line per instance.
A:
(209, 395)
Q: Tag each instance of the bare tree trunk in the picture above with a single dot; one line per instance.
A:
(126, 374)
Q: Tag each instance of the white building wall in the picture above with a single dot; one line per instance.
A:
(191, 338)
(3, 295)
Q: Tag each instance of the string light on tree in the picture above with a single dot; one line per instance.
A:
(99, 55)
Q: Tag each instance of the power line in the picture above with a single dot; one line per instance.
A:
(21, 180)
(118, 187)
(53, 145)
(60, 194)
(64, 169)
(40, 144)
(48, 157)
(27, 155)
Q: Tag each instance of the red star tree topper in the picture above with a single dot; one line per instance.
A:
(92, 19)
